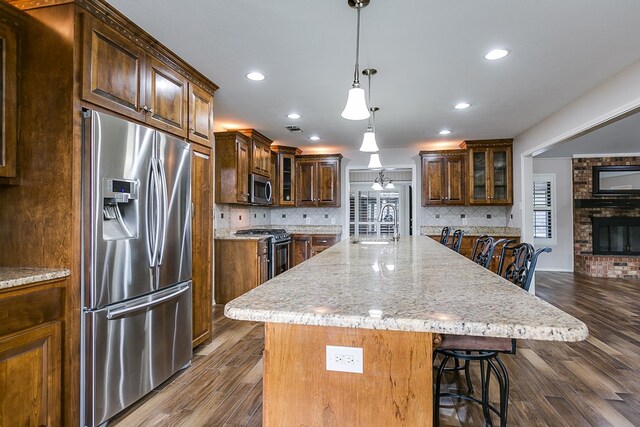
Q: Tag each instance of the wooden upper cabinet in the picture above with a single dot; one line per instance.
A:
(286, 174)
(443, 177)
(9, 107)
(232, 167)
(202, 230)
(260, 157)
(490, 172)
(200, 115)
(318, 180)
(114, 70)
(166, 98)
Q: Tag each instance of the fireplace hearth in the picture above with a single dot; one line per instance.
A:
(616, 236)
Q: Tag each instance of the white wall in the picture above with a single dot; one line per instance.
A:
(613, 98)
(561, 257)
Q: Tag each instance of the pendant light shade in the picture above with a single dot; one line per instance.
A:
(376, 186)
(374, 161)
(369, 141)
(356, 108)
(390, 186)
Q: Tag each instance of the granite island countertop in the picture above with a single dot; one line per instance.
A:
(11, 277)
(417, 283)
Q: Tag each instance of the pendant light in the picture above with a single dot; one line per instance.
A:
(356, 107)
(374, 161)
(369, 144)
(379, 182)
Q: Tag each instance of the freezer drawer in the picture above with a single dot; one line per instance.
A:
(133, 347)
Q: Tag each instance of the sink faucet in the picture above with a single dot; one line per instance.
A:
(396, 233)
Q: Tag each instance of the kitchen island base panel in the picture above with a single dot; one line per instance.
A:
(395, 388)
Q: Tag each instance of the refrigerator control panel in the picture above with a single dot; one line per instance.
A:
(122, 190)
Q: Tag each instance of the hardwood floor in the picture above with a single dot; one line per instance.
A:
(592, 383)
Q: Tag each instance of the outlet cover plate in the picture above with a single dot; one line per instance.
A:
(344, 359)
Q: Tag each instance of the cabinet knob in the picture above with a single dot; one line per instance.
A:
(192, 129)
(145, 108)
(151, 110)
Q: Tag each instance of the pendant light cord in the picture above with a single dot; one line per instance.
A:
(356, 75)
(373, 112)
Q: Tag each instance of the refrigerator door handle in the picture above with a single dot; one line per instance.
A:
(165, 210)
(148, 214)
(156, 232)
(116, 314)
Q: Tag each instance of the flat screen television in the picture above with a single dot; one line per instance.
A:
(616, 180)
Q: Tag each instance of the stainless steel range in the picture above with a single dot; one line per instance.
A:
(279, 247)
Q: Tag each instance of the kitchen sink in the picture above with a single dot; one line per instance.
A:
(372, 242)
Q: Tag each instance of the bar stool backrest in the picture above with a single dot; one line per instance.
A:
(476, 244)
(483, 252)
(525, 258)
(444, 235)
(456, 240)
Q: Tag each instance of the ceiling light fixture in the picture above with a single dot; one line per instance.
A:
(356, 107)
(379, 182)
(314, 138)
(444, 132)
(462, 105)
(255, 76)
(369, 144)
(293, 116)
(496, 54)
(374, 161)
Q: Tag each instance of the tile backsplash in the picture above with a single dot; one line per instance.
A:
(465, 215)
(230, 216)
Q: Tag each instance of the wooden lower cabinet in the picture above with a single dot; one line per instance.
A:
(240, 265)
(304, 246)
(31, 355)
(468, 242)
(202, 236)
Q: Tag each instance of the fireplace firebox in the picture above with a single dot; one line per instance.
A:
(616, 235)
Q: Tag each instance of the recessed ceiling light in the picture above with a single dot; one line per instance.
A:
(256, 76)
(293, 116)
(462, 105)
(314, 138)
(444, 132)
(496, 54)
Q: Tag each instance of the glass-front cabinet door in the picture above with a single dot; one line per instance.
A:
(287, 170)
(490, 172)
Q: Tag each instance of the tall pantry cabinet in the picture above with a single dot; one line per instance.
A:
(85, 54)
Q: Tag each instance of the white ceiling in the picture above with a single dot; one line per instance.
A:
(622, 136)
(429, 56)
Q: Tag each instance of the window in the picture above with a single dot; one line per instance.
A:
(364, 210)
(544, 215)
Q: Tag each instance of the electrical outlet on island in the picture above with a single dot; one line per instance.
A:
(344, 359)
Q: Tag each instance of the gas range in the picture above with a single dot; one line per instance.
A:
(277, 234)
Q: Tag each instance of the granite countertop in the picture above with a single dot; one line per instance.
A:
(417, 283)
(11, 277)
(229, 233)
(429, 230)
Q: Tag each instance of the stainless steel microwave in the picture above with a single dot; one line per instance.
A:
(259, 190)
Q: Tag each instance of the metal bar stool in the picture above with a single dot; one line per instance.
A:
(456, 240)
(444, 235)
(486, 350)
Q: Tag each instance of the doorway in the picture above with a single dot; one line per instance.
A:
(366, 200)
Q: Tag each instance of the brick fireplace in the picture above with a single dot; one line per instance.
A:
(585, 261)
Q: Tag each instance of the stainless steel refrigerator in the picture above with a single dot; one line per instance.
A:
(136, 290)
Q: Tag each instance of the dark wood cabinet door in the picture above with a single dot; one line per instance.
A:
(31, 369)
(9, 107)
(300, 248)
(454, 191)
(500, 176)
(287, 179)
(242, 171)
(479, 189)
(202, 232)
(305, 183)
(433, 180)
(275, 179)
(113, 70)
(200, 116)
(328, 185)
(263, 268)
(167, 94)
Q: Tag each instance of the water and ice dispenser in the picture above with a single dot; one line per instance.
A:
(120, 209)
